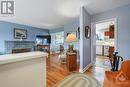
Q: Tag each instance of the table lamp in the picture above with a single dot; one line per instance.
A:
(71, 38)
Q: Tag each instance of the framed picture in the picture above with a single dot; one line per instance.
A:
(20, 33)
(78, 33)
(87, 32)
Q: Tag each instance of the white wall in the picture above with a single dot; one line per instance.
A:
(27, 73)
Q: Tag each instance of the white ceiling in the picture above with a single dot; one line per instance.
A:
(55, 13)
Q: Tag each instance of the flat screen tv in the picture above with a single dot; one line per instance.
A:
(43, 39)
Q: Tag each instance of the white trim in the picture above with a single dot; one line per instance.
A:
(11, 58)
(81, 39)
(81, 71)
(93, 43)
(116, 35)
(116, 30)
(86, 68)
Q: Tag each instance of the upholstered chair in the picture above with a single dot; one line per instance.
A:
(119, 78)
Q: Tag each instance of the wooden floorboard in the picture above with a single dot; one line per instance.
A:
(57, 71)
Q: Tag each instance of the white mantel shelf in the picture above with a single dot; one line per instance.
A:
(10, 58)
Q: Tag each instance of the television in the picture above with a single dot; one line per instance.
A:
(43, 39)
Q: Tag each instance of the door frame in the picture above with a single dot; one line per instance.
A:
(93, 40)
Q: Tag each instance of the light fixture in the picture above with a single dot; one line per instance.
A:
(71, 38)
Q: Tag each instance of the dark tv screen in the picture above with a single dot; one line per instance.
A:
(43, 39)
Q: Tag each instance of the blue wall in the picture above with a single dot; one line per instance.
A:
(60, 29)
(71, 27)
(6, 33)
(123, 24)
(85, 43)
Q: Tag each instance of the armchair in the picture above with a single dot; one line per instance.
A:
(119, 78)
(62, 55)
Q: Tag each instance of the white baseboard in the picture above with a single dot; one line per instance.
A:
(87, 67)
(81, 71)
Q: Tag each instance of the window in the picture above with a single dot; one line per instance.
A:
(59, 38)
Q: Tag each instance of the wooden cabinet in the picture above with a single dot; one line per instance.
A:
(44, 48)
(111, 31)
(111, 50)
(72, 61)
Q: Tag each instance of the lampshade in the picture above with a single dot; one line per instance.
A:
(71, 38)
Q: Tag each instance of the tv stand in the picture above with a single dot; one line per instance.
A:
(44, 48)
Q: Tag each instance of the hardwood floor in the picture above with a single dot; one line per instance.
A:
(57, 72)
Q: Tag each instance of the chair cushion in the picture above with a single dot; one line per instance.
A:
(121, 77)
(62, 56)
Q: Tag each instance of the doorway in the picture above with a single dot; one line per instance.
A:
(105, 42)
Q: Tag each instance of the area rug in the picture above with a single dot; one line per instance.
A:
(105, 63)
(78, 80)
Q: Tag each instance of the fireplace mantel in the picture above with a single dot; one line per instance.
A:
(9, 45)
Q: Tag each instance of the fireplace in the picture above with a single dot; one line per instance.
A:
(19, 46)
(21, 50)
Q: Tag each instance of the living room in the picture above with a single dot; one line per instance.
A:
(56, 46)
